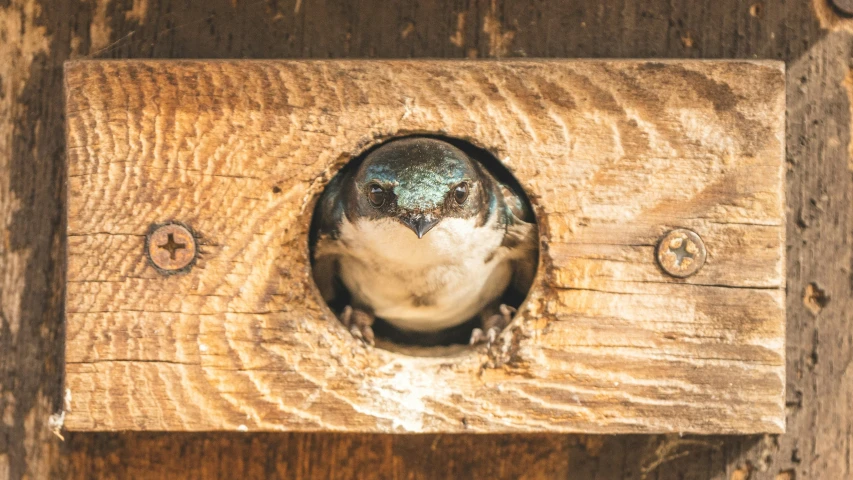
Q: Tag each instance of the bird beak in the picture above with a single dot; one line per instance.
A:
(419, 223)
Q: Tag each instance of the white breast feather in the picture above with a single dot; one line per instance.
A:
(426, 284)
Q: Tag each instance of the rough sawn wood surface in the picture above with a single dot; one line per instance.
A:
(613, 154)
(814, 42)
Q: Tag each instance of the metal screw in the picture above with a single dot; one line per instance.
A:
(170, 247)
(843, 7)
(681, 253)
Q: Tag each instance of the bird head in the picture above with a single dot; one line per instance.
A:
(417, 182)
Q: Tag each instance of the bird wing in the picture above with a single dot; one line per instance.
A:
(330, 212)
(521, 239)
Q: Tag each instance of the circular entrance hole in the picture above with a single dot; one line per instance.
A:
(428, 237)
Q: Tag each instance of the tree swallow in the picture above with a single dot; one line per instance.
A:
(425, 238)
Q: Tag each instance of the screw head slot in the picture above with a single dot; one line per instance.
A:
(681, 253)
(171, 247)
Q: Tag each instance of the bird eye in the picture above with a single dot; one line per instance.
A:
(376, 195)
(460, 193)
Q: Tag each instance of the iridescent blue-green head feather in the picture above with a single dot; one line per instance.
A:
(419, 181)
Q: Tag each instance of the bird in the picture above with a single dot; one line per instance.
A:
(426, 238)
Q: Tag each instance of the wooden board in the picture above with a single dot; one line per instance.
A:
(613, 155)
(39, 37)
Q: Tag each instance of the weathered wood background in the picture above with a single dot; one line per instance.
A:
(37, 36)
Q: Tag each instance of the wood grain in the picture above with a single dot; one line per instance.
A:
(612, 153)
(38, 37)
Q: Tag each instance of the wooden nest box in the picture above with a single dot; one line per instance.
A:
(232, 155)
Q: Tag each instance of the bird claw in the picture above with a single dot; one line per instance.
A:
(479, 336)
(363, 333)
(493, 326)
(359, 323)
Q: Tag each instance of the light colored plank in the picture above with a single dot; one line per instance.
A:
(612, 153)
